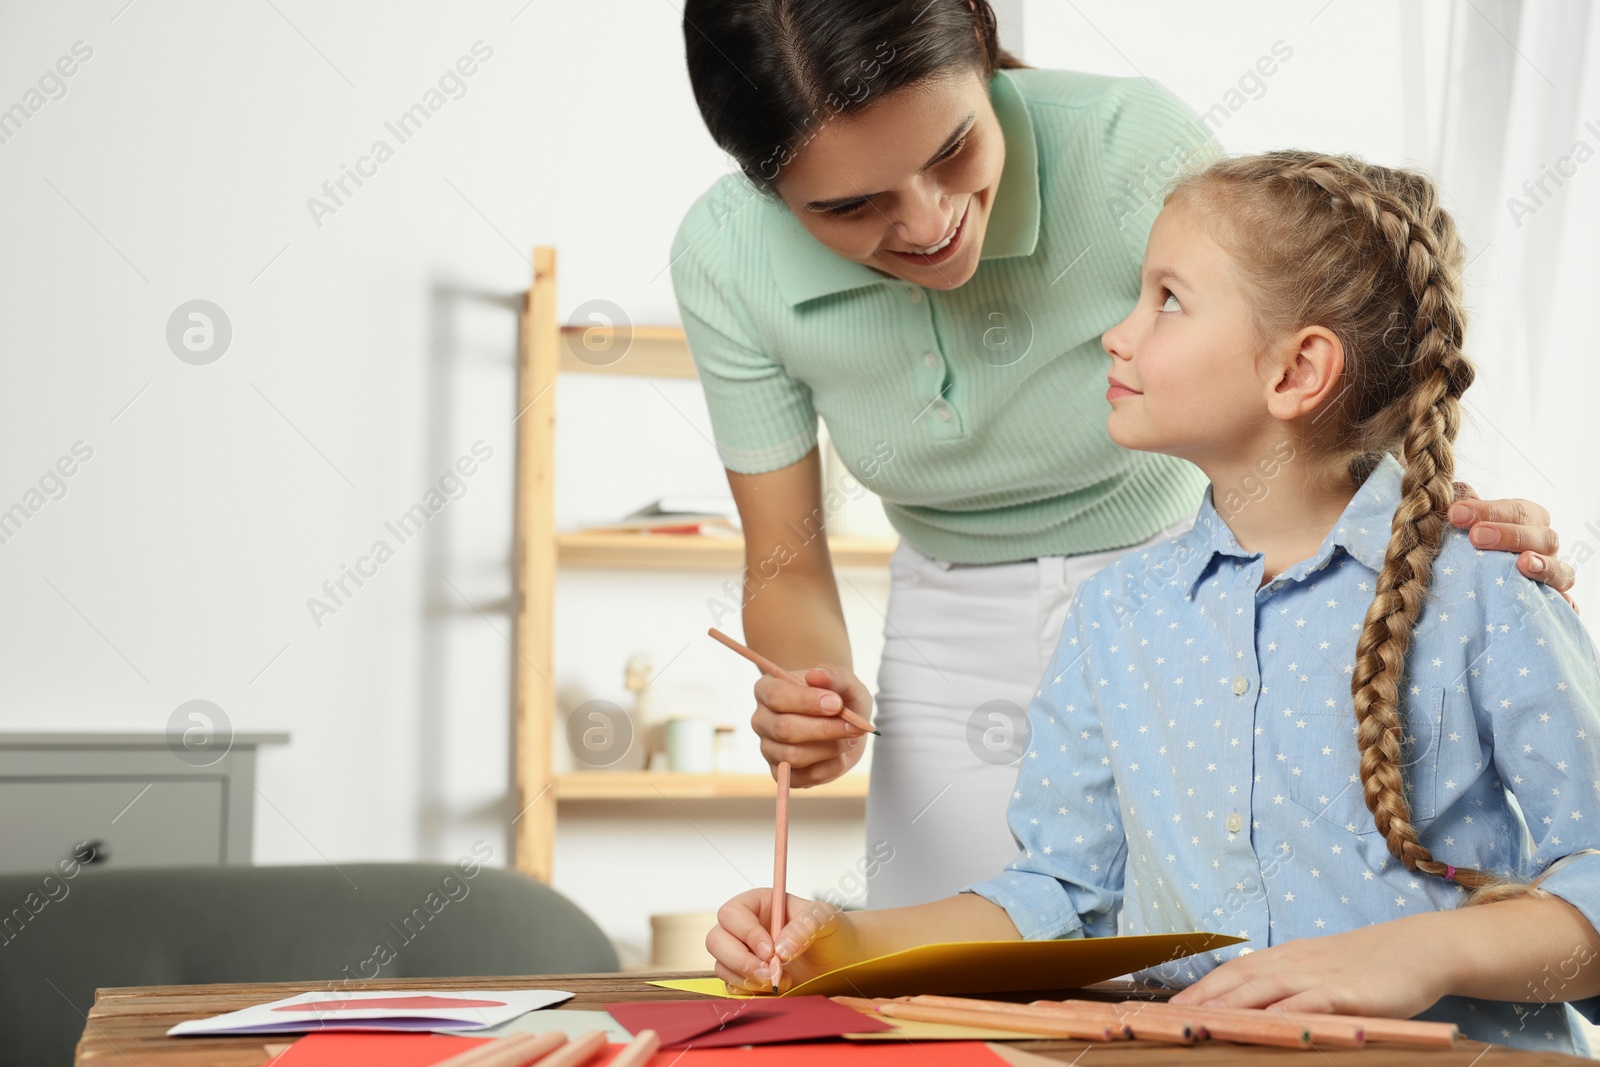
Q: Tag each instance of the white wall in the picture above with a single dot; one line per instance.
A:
(1340, 89)
(371, 347)
(371, 350)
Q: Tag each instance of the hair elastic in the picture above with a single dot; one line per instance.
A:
(1449, 873)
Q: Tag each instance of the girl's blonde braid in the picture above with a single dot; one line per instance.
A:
(1423, 241)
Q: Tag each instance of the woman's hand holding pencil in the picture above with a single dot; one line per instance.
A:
(813, 720)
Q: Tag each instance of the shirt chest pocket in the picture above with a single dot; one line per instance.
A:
(1323, 764)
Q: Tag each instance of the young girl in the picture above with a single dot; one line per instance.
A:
(1303, 721)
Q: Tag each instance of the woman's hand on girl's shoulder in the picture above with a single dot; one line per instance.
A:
(818, 938)
(1515, 525)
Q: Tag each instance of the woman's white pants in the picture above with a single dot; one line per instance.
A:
(965, 647)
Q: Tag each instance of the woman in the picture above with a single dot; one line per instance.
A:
(924, 246)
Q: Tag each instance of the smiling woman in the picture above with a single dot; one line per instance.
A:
(921, 218)
(904, 190)
(924, 243)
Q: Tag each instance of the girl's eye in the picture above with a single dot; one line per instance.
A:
(846, 209)
(1171, 303)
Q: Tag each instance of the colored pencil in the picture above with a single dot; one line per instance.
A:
(509, 1050)
(1037, 1010)
(769, 667)
(639, 1051)
(1255, 1027)
(1083, 1029)
(1156, 1020)
(578, 1051)
(780, 869)
(1401, 1031)
(1376, 1030)
(1171, 1030)
(1389, 1031)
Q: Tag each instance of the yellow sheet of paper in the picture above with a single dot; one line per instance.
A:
(969, 967)
(904, 1029)
(710, 987)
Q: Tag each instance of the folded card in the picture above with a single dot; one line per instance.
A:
(970, 967)
(373, 1009)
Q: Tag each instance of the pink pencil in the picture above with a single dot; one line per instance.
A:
(769, 667)
(780, 868)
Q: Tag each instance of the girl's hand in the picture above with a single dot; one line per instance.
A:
(801, 724)
(1514, 526)
(818, 938)
(1391, 970)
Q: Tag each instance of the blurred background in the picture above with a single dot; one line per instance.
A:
(358, 345)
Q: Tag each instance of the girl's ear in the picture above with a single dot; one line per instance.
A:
(1308, 376)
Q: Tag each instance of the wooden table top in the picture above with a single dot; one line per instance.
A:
(126, 1027)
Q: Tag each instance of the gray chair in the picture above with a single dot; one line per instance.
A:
(60, 939)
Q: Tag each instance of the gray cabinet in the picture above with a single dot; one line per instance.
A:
(125, 800)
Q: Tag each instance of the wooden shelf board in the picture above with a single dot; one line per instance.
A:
(693, 552)
(656, 785)
(643, 351)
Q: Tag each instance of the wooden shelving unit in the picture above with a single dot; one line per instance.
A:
(689, 552)
(547, 350)
(650, 785)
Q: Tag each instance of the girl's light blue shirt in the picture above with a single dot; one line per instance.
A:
(1192, 754)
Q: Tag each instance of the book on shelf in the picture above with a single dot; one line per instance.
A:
(702, 516)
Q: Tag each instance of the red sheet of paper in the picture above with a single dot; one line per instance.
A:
(722, 1023)
(426, 1050)
(676, 1021)
(843, 1054)
(374, 1049)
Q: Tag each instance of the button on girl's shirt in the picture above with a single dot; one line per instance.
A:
(930, 359)
(1241, 685)
(1235, 822)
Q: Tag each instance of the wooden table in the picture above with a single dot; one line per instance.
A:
(125, 1027)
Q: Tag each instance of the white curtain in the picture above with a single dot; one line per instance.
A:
(1518, 158)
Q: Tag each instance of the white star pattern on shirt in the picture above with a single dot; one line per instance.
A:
(1282, 781)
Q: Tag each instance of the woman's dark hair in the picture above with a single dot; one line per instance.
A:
(767, 74)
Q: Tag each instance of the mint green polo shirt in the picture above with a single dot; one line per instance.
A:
(976, 414)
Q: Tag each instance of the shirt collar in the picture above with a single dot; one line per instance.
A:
(806, 270)
(1362, 531)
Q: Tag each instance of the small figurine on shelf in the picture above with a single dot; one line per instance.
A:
(649, 734)
(636, 677)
